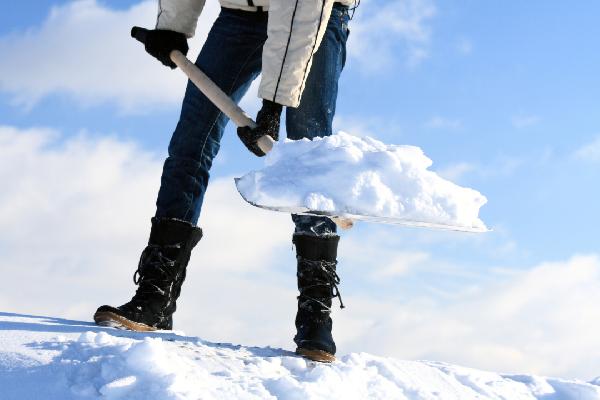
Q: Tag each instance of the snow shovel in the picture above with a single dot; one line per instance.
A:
(229, 108)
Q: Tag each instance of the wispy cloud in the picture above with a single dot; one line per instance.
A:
(88, 55)
(83, 49)
(500, 166)
(373, 126)
(401, 264)
(455, 172)
(383, 29)
(589, 152)
(439, 122)
(464, 46)
(525, 120)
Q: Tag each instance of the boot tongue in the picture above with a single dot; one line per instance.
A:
(316, 248)
(167, 232)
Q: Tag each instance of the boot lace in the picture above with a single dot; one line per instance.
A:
(322, 274)
(155, 274)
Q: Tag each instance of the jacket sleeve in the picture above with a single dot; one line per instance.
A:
(295, 30)
(179, 15)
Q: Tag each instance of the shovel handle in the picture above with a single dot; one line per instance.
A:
(210, 90)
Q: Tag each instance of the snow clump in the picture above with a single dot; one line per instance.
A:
(348, 175)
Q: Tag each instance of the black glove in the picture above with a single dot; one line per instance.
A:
(160, 43)
(267, 121)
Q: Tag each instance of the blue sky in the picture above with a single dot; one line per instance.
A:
(503, 97)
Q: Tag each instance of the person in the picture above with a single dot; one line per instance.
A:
(300, 48)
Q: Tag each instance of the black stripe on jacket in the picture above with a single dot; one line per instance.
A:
(287, 46)
(312, 53)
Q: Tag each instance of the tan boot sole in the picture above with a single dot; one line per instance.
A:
(316, 355)
(107, 318)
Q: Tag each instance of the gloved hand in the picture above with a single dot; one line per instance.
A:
(268, 120)
(160, 43)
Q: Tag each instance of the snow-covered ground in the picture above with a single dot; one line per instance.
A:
(53, 358)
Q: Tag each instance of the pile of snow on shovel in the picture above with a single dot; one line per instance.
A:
(348, 175)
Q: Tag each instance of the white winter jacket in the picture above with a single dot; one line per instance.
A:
(295, 30)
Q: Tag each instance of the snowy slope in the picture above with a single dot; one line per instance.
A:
(51, 358)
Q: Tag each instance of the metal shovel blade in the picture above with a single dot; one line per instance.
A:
(366, 218)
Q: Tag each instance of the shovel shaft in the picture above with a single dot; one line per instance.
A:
(212, 91)
(218, 97)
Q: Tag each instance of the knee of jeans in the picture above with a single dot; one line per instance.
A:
(191, 143)
(182, 167)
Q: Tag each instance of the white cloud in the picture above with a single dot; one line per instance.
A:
(84, 49)
(589, 152)
(543, 320)
(88, 54)
(75, 215)
(401, 264)
(525, 121)
(379, 28)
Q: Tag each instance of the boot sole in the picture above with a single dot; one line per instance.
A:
(316, 355)
(107, 318)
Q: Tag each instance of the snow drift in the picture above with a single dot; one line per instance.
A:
(55, 359)
(348, 175)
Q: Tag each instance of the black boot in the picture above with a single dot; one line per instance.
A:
(159, 276)
(317, 282)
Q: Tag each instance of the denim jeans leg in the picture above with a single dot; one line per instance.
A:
(232, 58)
(314, 116)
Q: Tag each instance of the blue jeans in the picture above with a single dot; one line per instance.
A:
(232, 58)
